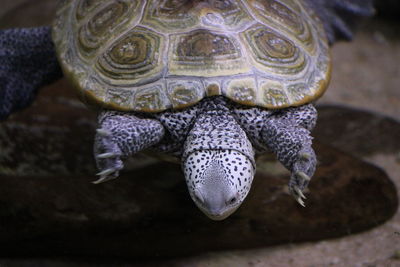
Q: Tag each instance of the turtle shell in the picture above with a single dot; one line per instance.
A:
(137, 55)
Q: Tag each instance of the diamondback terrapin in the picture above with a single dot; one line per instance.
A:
(212, 82)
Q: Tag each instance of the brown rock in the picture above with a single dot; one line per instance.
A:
(52, 137)
(358, 132)
(145, 213)
(49, 207)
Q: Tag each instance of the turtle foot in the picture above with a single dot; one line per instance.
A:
(108, 156)
(294, 189)
(302, 171)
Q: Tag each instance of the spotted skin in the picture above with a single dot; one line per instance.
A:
(218, 180)
(213, 151)
(216, 141)
(286, 136)
(120, 136)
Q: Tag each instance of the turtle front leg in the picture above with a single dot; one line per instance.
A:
(287, 134)
(121, 135)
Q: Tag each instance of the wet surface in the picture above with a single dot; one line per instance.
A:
(357, 131)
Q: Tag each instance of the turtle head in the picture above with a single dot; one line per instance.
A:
(218, 180)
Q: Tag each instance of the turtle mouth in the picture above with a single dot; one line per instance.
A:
(218, 215)
(214, 213)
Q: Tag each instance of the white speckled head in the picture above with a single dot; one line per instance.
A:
(218, 180)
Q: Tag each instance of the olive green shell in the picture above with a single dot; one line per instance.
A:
(158, 54)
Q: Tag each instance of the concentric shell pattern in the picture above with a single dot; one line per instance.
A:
(158, 54)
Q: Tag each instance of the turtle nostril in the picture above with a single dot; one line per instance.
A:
(232, 200)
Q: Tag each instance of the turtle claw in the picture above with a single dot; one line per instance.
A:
(301, 202)
(304, 177)
(300, 181)
(298, 195)
(105, 175)
(305, 156)
(106, 172)
(103, 132)
(107, 155)
(103, 179)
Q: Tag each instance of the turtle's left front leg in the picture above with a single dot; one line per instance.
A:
(121, 135)
(287, 134)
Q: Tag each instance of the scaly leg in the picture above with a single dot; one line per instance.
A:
(27, 62)
(287, 134)
(121, 135)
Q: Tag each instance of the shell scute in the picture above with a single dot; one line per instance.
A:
(205, 53)
(285, 16)
(119, 97)
(183, 93)
(273, 94)
(243, 91)
(273, 52)
(150, 98)
(169, 15)
(103, 22)
(85, 7)
(298, 91)
(133, 56)
(225, 15)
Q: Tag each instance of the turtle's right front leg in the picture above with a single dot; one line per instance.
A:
(121, 135)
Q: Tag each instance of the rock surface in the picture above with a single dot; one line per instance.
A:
(48, 206)
(358, 132)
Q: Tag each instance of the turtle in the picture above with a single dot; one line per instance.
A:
(213, 83)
